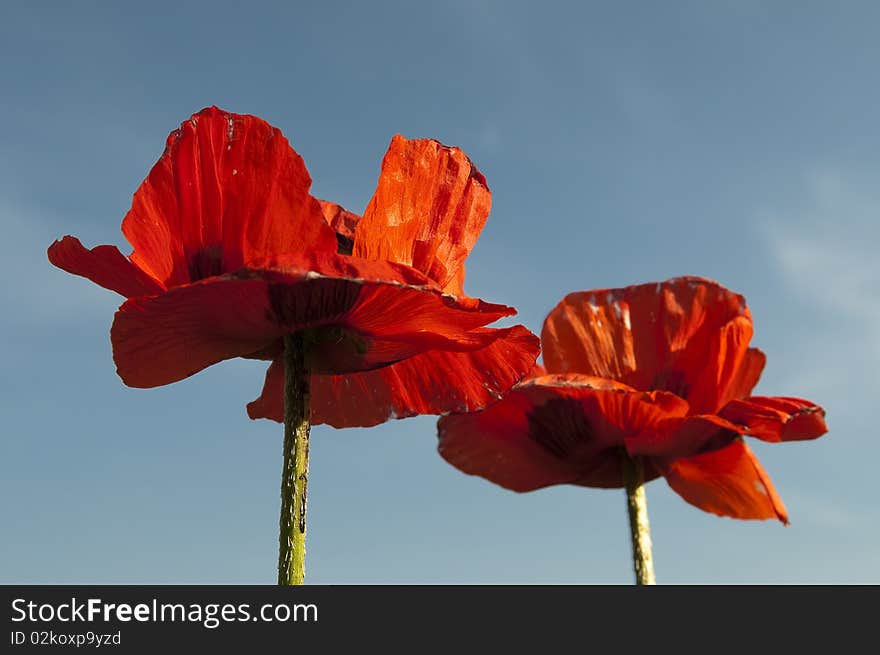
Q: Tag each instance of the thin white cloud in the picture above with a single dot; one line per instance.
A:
(825, 252)
(34, 291)
(828, 514)
(490, 137)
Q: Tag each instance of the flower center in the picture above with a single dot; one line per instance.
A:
(344, 244)
(206, 262)
(312, 303)
(671, 381)
(561, 428)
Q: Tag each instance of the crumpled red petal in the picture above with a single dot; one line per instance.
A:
(380, 317)
(341, 221)
(687, 335)
(777, 419)
(434, 382)
(103, 265)
(728, 482)
(227, 190)
(430, 205)
(554, 430)
(537, 371)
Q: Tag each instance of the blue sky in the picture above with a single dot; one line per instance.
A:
(623, 142)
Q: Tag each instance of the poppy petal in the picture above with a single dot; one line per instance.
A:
(421, 312)
(683, 437)
(727, 482)
(341, 221)
(433, 382)
(554, 430)
(166, 338)
(777, 419)
(687, 335)
(103, 265)
(228, 189)
(429, 207)
(270, 404)
(747, 375)
(537, 371)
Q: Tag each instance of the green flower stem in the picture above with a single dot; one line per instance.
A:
(640, 531)
(295, 475)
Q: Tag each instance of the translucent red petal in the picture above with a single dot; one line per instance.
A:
(728, 482)
(163, 339)
(429, 207)
(227, 190)
(434, 382)
(686, 335)
(103, 265)
(777, 419)
(553, 430)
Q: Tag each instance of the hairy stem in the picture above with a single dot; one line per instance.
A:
(295, 474)
(640, 531)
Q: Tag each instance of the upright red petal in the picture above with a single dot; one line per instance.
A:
(103, 265)
(227, 190)
(686, 335)
(537, 371)
(430, 205)
(434, 382)
(728, 482)
(777, 419)
(746, 376)
(341, 221)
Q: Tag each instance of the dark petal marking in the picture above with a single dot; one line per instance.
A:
(560, 427)
(206, 262)
(345, 245)
(327, 298)
(671, 381)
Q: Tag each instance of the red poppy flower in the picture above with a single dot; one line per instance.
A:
(231, 253)
(661, 372)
